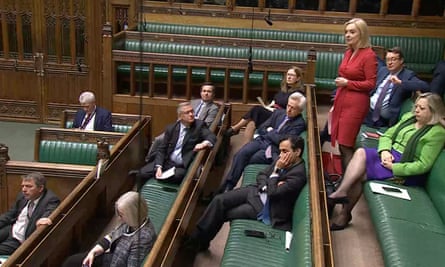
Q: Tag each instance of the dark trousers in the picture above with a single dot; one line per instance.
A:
(77, 259)
(242, 203)
(8, 244)
(252, 152)
(148, 171)
(258, 114)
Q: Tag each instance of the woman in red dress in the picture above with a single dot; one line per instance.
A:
(356, 78)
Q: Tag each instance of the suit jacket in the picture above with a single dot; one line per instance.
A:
(102, 121)
(399, 93)
(293, 127)
(207, 113)
(198, 132)
(437, 84)
(428, 148)
(282, 198)
(47, 203)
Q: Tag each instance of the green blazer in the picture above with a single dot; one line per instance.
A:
(427, 149)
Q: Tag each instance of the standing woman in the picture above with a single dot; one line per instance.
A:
(357, 77)
(128, 244)
(258, 114)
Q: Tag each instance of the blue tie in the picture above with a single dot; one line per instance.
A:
(198, 110)
(282, 123)
(264, 214)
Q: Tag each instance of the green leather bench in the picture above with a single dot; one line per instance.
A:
(67, 152)
(412, 233)
(325, 71)
(421, 53)
(242, 250)
(117, 128)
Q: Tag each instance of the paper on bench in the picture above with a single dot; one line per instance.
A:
(288, 240)
(378, 188)
(168, 173)
(264, 104)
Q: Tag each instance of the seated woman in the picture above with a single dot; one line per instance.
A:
(259, 114)
(406, 153)
(128, 244)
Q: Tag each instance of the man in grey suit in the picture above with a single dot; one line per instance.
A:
(31, 209)
(205, 109)
(270, 200)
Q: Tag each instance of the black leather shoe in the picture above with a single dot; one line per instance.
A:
(231, 132)
(194, 244)
(133, 172)
(337, 227)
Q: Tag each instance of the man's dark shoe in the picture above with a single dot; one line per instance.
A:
(231, 132)
(194, 244)
(133, 172)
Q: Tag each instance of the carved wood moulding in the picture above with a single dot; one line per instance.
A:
(71, 135)
(19, 109)
(317, 18)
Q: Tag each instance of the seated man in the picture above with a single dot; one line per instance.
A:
(270, 200)
(181, 142)
(31, 209)
(437, 84)
(204, 108)
(395, 84)
(264, 148)
(91, 117)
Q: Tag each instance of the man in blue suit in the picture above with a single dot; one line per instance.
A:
(92, 117)
(264, 148)
(397, 84)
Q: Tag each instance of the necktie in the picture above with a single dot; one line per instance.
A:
(264, 214)
(30, 208)
(87, 120)
(282, 123)
(198, 110)
(378, 104)
(177, 153)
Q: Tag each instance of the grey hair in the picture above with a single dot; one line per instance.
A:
(87, 97)
(37, 177)
(181, 105)
(299, 96)
(134, 206)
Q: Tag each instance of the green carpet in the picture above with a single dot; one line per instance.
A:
(19, 137)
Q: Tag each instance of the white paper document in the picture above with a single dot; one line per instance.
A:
(168, 173)
(389, 190)
(260, 100)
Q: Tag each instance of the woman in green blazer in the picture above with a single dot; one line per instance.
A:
(406, 153)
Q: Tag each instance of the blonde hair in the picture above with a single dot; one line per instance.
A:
(436, 105)
(362, 27)
(134, 207)
(295, 86)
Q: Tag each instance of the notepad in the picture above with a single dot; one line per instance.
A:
(167, 174)
(389, 190)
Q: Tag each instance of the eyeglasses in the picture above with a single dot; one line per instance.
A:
(392, 59)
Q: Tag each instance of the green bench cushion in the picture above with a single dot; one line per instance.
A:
(412, 233)
(242, 250)
(67, 152)
(118, 128)
(160, 197)
(199, 74)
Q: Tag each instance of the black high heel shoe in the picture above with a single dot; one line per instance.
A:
(334, 201)
(338, 227)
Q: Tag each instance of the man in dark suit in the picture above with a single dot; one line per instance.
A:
(204, 108)
(437, 84)
(397, 84)
(92, 117)
(181, 142)
(31, 209)
(264, 148)
(270, 200)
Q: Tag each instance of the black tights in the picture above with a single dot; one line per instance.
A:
(346, 156)
(77, 259)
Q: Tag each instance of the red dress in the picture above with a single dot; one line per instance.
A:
(351, 102)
